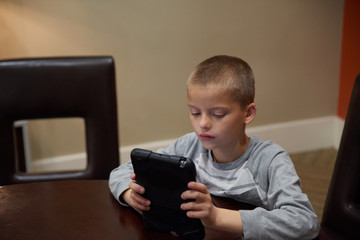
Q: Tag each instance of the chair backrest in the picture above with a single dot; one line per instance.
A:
(62, 87)
(341, 217)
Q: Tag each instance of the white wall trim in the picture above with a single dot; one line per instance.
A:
(338, 130)
(295, 136)
(61, 163)
(303, 135)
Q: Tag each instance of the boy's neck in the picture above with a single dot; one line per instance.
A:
(230, 156)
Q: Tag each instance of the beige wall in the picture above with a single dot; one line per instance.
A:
(293, 47)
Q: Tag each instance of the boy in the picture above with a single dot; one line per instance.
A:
(221, 95)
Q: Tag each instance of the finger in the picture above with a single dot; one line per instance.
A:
(197, 190)
(198, 187)
(139, 202)
(139, 198)
(196, 214)
(136, 187)
(197, 205)
(188, 206)
(195, 195)
(139, 207)
(194, 210)
(191, 194)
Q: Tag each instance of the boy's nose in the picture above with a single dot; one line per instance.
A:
(205, 122)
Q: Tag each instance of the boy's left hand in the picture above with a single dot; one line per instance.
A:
(202, 207)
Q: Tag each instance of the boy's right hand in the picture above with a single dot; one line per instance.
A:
(133, 196)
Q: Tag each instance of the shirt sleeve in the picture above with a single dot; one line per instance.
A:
(290, 214)
(119, 180)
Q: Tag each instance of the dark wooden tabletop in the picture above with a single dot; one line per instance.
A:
(78, 209)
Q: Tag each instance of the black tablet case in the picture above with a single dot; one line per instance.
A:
(165, 178)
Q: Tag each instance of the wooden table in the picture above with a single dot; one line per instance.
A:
(78, 209)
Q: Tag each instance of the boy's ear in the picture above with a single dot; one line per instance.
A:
(250, 113)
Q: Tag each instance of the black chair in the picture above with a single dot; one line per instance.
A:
(61, 87)
(341, 217)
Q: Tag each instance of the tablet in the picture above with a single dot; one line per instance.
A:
(165, 178)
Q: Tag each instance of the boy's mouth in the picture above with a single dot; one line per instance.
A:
(206, 137)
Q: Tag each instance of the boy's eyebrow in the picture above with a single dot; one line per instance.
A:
(212, 109)
(219, 108)
(191, 106)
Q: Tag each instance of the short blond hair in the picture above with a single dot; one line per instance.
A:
(230, 73)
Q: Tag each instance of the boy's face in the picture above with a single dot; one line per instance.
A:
(218, 120)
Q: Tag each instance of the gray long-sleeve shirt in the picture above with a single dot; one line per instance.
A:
(263, 176)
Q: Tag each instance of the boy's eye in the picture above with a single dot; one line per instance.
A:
(195, 113)
(219, 115)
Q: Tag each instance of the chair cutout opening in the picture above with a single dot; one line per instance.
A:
(50, 145)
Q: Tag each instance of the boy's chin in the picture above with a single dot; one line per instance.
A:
(208, 145)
